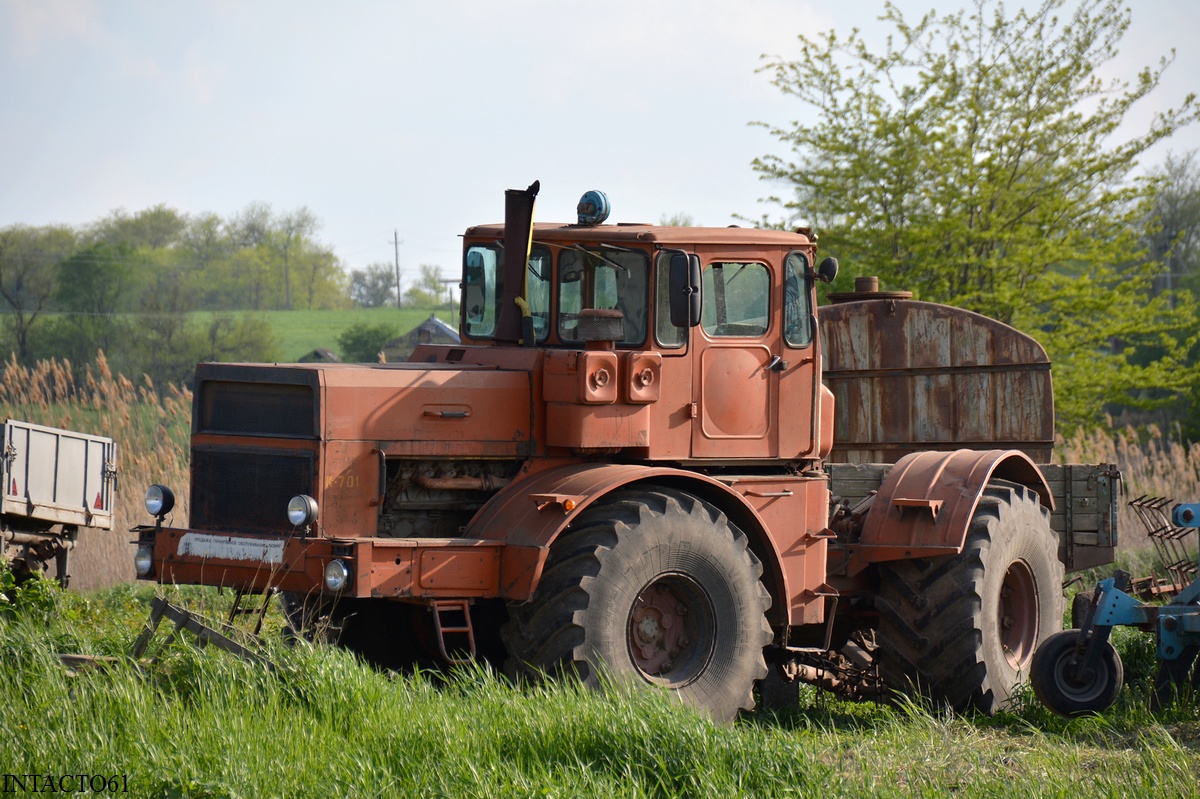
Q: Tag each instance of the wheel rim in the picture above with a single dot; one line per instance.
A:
(1018, 614)
(671, 630)
(1085, 689)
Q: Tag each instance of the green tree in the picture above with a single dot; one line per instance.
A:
(373, 286)
(973, 160)
(361, 342)
(27, 277)
(95, 286)
(428, 291)
(1172, 226)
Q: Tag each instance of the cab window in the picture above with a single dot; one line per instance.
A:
(797, 303)
(595, 278)
(483, 288)
(666, 334)
(735, 300)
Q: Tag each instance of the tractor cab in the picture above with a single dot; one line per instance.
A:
(703, 340)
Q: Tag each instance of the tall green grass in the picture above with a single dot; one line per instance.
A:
(200, 723)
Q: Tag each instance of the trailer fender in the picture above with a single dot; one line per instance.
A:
(529, 514)
(925, 503)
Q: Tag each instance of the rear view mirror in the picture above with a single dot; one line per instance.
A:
(685, 289)
(828, 270)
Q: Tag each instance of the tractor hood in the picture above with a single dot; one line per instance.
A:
(425, 409)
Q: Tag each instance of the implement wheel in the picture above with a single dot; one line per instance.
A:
(962, 629)
(652, 584)
(1061, 683)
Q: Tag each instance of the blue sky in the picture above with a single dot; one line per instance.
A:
(415, 116)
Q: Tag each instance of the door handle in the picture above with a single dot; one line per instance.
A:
(777, 364)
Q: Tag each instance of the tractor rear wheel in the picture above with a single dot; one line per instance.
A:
(962, 629)
(652, 584)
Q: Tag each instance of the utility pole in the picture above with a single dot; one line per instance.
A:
(397, 242)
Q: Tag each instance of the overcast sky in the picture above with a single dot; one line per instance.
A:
(415, 116)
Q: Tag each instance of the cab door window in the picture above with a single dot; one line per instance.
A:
(797, 302)
(736, 298)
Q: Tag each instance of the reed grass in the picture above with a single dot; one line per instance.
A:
(1152, 464)
(151, 428)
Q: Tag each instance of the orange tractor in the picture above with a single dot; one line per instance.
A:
(652, 454)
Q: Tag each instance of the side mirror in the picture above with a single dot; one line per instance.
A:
(684, 289)
(828, 270)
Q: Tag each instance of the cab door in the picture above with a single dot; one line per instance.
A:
(753, 377)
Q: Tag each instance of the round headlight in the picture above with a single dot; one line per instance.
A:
(337, 575)
(143, 560)
(159, 500)
(302, 509)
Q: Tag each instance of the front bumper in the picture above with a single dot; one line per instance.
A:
(419, 568)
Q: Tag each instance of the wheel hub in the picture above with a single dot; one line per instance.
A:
(1018, 614)
(656, 628)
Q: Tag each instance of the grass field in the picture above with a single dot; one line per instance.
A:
(300, 332)
(200, 723)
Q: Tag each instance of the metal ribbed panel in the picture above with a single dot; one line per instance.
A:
(247, 490)
(260, 409)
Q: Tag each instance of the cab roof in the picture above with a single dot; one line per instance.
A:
(625, 233)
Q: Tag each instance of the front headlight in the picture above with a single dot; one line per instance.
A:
(302, 510)
(143, 560)
(337, 575)
(159, 500)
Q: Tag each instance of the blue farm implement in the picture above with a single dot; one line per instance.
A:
(1078, 671)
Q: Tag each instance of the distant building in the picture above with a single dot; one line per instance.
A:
(431, 331)
(320, 355)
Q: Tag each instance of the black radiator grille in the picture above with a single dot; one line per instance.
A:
(263, 409)
(247, 490)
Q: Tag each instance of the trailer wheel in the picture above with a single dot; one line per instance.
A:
(653, 584)
(962, 629)
(1060, 683)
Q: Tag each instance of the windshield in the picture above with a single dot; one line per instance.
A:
(594, 277)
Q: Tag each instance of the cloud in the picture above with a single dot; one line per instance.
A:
(33, 23)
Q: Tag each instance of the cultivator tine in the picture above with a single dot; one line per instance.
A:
(1170, 546)
(184, 619)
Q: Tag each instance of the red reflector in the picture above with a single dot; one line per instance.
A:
(99, 502)
(14, 488)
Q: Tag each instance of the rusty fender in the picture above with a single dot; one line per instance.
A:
(926, 501)
(529, 515)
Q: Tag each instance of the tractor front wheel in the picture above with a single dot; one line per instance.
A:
(653, 584)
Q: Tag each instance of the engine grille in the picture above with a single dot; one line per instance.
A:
(247, 490)
(263, 409)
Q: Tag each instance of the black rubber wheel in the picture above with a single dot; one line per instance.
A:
(962, 629)
(1174, 676)
(1059, 684)
(653, 584)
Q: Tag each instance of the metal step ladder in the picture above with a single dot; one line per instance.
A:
(452, 617)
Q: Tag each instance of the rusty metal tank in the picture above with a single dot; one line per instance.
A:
(909, 376)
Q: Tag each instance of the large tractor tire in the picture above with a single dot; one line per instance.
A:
(962, 629)
(655, 585)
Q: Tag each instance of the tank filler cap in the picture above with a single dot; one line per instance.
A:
(593, 208)
(867, 288)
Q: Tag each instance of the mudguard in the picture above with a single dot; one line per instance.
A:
(925, 503)
(530, 513)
